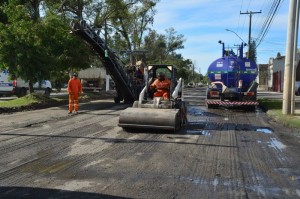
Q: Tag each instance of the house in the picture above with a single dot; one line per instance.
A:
(271, 75)
(276, 72)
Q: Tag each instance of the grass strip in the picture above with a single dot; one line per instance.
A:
(274, 110)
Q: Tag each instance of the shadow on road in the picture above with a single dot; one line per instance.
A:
(44, 193)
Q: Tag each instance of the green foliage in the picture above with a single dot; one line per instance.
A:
(252, 55)
(128, 20)
(274, 109)
(162, 49)
(37, 49)
(21, 48)
(35, 42)
(270, 104)
(291, 121)
(27, 100)
(67, 52)
(205, 79)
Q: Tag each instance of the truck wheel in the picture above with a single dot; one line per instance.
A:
(222, 98)
(117, 99)
(250, 108)
(135, 104)
(22, 92)
(47, 92)
(216, 106)
(209, 106)
(298, 92)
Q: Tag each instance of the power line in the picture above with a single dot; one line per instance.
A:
(267, 20)
(250, 21)
(249, 4)
(241, 30)
(259, 20)
(267, 24)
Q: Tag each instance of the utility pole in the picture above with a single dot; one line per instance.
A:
(193, 68)
(295, 64)
(250, 24)
(294, 56)
(289, 59)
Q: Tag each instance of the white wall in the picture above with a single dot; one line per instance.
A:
(278, 64)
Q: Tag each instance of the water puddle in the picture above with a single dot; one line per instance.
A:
(298, 192)
(198, 132)
(258, 112)
(276, 144)
(198, 123)
(264, 130)
(265, 191)
(195, 111)
(215, 182)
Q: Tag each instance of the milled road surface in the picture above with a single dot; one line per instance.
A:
(221, 153)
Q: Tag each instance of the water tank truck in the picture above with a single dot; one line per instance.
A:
(232, 80)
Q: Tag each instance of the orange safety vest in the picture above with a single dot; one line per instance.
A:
(162, 88)
(161, 85)
(74, 86)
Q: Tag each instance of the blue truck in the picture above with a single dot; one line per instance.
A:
(232, 80)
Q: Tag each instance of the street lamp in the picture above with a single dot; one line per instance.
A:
(244, 43)
(236, 35)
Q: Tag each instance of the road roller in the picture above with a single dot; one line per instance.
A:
(155, 112)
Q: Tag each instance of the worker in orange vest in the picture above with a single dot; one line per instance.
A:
(162, 86)
(74, 90)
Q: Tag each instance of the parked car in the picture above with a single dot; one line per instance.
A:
(16, 86)
(297, 88)
(43, 87)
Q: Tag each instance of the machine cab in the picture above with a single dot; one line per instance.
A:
(153, 71)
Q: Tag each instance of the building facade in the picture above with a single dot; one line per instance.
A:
(273, 78)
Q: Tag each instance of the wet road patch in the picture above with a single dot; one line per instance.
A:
(264, 130)
(197, 132)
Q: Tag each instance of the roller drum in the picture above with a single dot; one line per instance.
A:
(149, 118)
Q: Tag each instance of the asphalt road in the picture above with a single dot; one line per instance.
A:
(221, 153)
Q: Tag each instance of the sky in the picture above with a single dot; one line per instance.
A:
(204, 22)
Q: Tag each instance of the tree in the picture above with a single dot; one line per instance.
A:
(123, 22)
(129, 19)
(35, 42)
(72, 8)
(34, 47)
(252, 49)
(67, 52)
(156, 45)
(21, 49)
(3, 17)
(205, 79)
(162, 49)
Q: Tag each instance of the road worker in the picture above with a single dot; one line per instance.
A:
(162, 86)
(74, 90)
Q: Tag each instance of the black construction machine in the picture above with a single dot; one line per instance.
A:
(154, 112)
